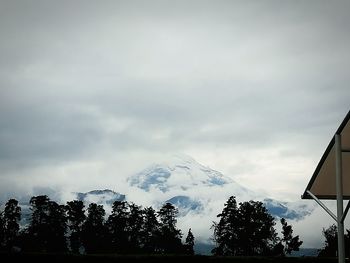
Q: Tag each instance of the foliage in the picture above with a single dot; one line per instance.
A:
(10, 226)
(76, 217)
(189, 243)
(170, 235)
(93, 229)
(248, 229)
(288, 243)
(331, 242)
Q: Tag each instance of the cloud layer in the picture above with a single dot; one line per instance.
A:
(91, 92)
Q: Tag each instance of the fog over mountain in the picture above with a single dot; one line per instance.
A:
(198, 191)
(95, 95)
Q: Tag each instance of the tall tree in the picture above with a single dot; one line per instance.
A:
(227, 229)
(244, 230)
(135, 221)
(331, 242)
(94, 232)
(290, 242)
(150, 231)
(76, 217)
(37, 234)
(11, 217)
(117, 224)
(170, 235)
(57, 228)
(257, 234)
(189, 243)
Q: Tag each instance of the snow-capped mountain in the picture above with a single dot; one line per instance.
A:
(193, 187)
(100, 197)
(186, 204)
(287, 210)
(181, 172)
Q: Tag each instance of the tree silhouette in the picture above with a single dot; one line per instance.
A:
(257, 234)
(245, 230)
(117, 226)
(37, 234)
(11, 217)
(93, 230)
(2, 232)
(134, 228)
(331, 242)
(76, 217)
(150, 231)
(170, 236)
(227, 229)
(189, 243)
(290, 243)
(57, 227)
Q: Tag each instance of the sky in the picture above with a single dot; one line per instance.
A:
(92, 92)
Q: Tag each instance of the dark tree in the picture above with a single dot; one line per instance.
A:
(117, 225)
(57, 228)
(189, 243)
(11, 217)
(331, 242)
(47, 229)
(76, 217)
(37, 235)
(227, 229)
(93, 230)
(134, 228)
(2, 232)
(290, 242)
(257, 234)
(150, 231)
(245, 230)
(170, 236)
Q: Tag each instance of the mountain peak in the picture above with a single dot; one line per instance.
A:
(178, 171)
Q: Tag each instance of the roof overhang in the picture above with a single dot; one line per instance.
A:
(323, 180)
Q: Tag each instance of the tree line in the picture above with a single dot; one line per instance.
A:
(243, 229)
(129, 229)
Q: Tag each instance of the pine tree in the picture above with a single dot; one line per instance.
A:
(76, 217)
(227, 229)
(134, 228)
(170, 236)
(189, 243)
(150, 231)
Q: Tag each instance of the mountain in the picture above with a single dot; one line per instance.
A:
(193, 187)
(287, 210)
(100, 197)
(185, 204)
(181, 172)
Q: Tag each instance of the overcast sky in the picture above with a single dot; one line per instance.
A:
(93, 91)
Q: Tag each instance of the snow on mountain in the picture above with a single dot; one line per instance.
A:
(288, 210)
(100, 197)
(186, 204)
(180, 172)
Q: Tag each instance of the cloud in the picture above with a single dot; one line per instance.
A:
(93, 92)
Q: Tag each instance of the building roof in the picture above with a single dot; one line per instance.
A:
(322, 182)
